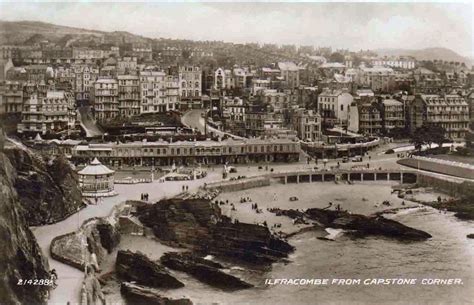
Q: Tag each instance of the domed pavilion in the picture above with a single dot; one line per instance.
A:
(97, 180)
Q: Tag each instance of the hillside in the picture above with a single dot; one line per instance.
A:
(30, 32)
(426, 54)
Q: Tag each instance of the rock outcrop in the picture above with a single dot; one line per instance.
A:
(136, 267)
(99, 234)
(366, 225)
(137, 295)
(47, 186)
(20, 255)
(199, 225)
(204, 270)
(359, 225)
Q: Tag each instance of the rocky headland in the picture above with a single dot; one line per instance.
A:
(20, 255)
(47, 186)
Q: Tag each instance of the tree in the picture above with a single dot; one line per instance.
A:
(336, 57)
(428, 134)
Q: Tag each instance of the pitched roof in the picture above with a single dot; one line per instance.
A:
(95, 168)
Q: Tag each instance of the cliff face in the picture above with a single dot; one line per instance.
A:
(47, 187)
(20, 255)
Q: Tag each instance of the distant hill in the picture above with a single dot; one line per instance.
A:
(30, 32)
(427, 54)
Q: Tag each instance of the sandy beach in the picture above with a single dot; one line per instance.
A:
(359, 198)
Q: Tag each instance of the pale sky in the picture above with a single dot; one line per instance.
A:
(339, 25)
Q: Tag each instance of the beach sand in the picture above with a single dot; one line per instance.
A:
(359, 198)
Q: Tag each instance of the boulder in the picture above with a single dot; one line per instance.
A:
(141, 295)
(204, 270)
(136, 267)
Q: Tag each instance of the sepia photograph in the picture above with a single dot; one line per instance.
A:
(236, 152)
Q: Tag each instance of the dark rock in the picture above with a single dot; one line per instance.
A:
(136, 267)
(470, 235)
(365, 225)
(204, 270)
(109, 236)
(141, 295)
(21, 257)
(101, 236)
(199, 225)
(47, 187)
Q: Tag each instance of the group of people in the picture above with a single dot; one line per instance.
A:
(184, 188)
(256, 209)
(245, 199)
(144, 197)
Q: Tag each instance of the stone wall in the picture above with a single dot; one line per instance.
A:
(238, 185)
(449, 187)
(436, 166)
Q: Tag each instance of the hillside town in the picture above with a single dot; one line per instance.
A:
(287, 92)
(139, 170)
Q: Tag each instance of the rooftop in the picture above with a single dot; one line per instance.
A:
(95, 168)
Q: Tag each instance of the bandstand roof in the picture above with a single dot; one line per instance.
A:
(95, 168)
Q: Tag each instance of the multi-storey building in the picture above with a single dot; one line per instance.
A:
(379, 79)
(449, 111)
(307, 125)
(190, 81)
(65, 78)
(189, 152)
(143, 53)
(260, 85)
(406, 63)
(86, 76)
(333, 105)
(255, 118)
(128, 95)
(393, 114)
(365, 118)
(105, 99)
(152, 91)
(39, 73)
(290, 73)
(172, 92)
(13, 97)
(127, 66)
(87, 53)
(52, 113)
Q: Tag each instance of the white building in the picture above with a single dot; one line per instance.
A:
(334, 104)
(105, 99)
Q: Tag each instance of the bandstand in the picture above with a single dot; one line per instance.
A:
(97, 180)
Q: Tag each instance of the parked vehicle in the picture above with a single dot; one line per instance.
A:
(345, 159)
(357, 159)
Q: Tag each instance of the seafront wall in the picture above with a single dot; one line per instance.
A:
(450, 187)
(450, 168)
(239, 185)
